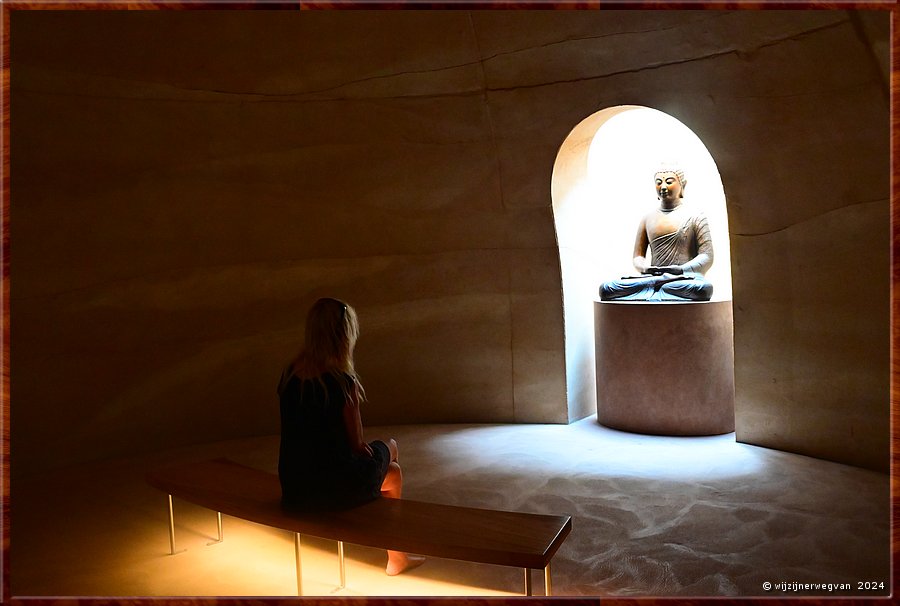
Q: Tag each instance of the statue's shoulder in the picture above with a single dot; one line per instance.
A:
(693, 211)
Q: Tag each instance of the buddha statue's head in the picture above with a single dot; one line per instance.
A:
(670, 182)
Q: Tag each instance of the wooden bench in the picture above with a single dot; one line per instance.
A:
(524, 540)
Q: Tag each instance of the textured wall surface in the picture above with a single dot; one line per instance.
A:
(185, 184)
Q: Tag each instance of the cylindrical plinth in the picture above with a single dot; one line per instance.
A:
(665, 368)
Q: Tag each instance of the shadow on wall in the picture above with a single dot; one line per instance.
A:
(601, 187)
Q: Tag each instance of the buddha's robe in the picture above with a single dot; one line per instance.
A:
(689, 247)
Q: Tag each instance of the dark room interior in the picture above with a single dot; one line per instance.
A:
(185, 184)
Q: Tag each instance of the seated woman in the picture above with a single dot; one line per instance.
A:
(323, 462)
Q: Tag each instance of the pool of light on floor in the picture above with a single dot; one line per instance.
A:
(258, 560)
(585, 447)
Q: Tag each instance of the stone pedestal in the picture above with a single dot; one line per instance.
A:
(665, 368)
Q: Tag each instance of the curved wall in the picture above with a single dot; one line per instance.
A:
(185, 183)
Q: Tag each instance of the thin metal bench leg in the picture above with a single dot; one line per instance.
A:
(527, 581)
(343, 568)
(547, 579)
(297, 554)
(171, 528)
(219, 526)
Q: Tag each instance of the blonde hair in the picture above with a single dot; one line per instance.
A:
(332, 329)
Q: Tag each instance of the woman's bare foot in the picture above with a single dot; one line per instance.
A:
(401, 562)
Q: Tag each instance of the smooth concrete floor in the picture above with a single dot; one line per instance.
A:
(652, 516)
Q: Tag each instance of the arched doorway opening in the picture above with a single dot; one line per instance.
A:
(601, 186)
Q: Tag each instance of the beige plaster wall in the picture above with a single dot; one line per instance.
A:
(184, 184)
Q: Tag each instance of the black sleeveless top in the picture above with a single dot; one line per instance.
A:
(316, 465)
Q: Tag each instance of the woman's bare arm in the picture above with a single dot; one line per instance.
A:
(353, 424)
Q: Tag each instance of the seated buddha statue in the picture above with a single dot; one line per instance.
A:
(681, 250)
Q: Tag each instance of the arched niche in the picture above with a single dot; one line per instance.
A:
(602, 184)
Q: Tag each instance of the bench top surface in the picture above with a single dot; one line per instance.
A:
(526, 540)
